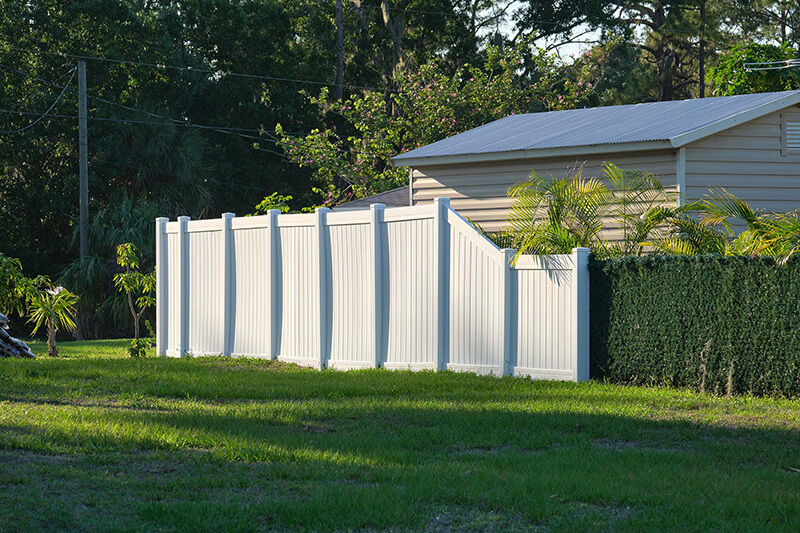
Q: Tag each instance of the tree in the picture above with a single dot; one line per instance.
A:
(731, 77)
(350, 157)
(54, 308)
(137, 286)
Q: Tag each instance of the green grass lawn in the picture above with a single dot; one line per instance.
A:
(96, 441)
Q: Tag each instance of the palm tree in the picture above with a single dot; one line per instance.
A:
(553, 216)
(54, 308)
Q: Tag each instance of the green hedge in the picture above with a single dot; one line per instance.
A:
(726, 325)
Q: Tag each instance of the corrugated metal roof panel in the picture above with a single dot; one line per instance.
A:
(393, 198)
(657, 121)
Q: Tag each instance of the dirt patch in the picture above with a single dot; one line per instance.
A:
(620, 445)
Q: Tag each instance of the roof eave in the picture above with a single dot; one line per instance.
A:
(565, 151)
(736, 120)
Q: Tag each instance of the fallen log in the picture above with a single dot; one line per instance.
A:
(9, 346)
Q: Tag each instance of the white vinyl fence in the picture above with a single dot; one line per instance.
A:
(407, 287)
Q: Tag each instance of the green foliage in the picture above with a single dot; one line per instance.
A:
(726, 325)
(553, 216)
(351, 160)
(274, 201)
(140, 347)
(54, 308)
(14, 286)
(730, 77)
(139, 288)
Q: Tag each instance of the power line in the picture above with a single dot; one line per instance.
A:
(162, 66)
(771, 65)
(32, 124)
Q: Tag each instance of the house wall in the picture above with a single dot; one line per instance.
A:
(746, 160)
(479, 191)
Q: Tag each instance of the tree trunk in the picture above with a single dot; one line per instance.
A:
(52, 349)
(339, 88)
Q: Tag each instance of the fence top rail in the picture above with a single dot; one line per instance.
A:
(197, 226)
(545, 262)
(293, 220)
(401, 214)
(347, 218)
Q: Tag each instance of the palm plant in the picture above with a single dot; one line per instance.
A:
(553, 216)
(53, 308)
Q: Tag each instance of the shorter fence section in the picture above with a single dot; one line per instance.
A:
(408, 287)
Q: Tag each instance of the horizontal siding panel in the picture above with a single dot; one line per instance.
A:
(753, 193)
(737, 155)
(779, 168)
(733, 142)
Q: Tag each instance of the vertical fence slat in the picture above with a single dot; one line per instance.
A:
(161, 286)
(183, 306)
(441, 280)
(375, 221)
(323, 267)
(226, 245)
(506, 313)
(272, 265)
(580, 309)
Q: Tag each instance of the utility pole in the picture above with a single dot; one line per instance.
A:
(84, 161)
(702, 48)
(339, 87)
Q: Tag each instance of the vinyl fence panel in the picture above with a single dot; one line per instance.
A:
(411, 287)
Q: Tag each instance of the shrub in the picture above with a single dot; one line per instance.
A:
(726, 325)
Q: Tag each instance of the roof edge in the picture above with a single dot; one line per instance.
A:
(532, 154)
(735, 120)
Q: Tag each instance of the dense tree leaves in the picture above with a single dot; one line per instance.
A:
(731, 77)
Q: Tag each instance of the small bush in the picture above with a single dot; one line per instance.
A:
(726, 325)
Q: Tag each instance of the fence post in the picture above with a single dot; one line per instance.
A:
(322, 270)
(227, 277)
(507, 311)
(375, 218)
(441, 293)
(161, 286)
(183, 272)
(272, 285)
(580, 319)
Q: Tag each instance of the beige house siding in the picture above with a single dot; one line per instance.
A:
(746, 160)
(479, 191)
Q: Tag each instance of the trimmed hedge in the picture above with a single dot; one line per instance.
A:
(726, 325)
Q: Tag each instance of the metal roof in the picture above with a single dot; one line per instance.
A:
(672, 122)
(393, 198)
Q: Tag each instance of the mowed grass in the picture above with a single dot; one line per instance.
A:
(97, 441)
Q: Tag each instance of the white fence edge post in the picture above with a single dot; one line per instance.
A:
(161, 286)
(227, 278)
(580, 305)
(183, 262)
(507, 367)
(375, 220)
(272, 282)
(441, 293)
(322, 270)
